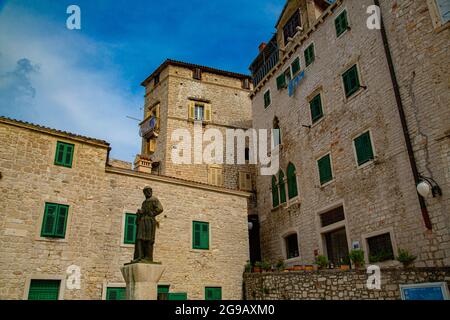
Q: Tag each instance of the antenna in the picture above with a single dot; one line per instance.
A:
(133, 118)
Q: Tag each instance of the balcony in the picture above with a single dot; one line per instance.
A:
(265, 62)
(149, 127)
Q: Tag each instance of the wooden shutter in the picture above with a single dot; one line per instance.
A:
(191, 110)
(292, 181)
(282, 187)
(196, 236)
(116, 294)
(207, 108)
(363, 146)
(325, 171)
(245, 181)
(215, 176)
(213, 293)
(295, 66)
(44, 290)
(275, 198)
(177, 296)
(130, 228)
(152, 145)
(281, 81)
(204, 239)
(68, 155)
(316, 108)
(59, 158)
(61, 221)
(49, 220)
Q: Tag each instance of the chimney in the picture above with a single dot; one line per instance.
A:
(262, 46)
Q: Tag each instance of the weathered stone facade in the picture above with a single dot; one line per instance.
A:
(336, 285)
(379, 197)
(98, 197)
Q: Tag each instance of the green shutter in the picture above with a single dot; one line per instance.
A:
(267, 99)
(44, 290)
(275, 198)
(309, 55)
(116, 293)
(295, 66)
(325, 171)
(351, 81)
(163, 292)
(316, 108)
(363, 146)
(341, 23)
(64, 154)
(213, 293)
(130, 228)
(292, 181)
(50, 220)
(200, 235)
(61, 221)
(281, 81)
(282, 187)
(177, 296)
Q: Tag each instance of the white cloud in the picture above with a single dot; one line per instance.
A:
(71, 85)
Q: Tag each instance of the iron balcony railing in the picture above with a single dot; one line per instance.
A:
(269, 64)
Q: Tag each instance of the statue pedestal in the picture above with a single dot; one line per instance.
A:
(142, 280)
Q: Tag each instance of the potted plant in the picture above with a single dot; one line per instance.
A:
(309, 268)
(298, 268)
(345, 265)
(405, 258)
(248, 266)
(357, 258)
(280, 265)
(257, 267)
(266, 266)
(322, 262)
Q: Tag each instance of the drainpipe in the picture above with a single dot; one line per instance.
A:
(412, 160)
(107, 157)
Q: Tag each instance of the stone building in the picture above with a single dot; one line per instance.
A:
(357, 132)
(67, 209)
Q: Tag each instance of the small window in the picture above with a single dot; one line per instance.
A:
(310, 55)
(64, 154)
(215, 176)
(156, 80)
(292, 246)
(54, 221)
(292, 181)
(177, 296)
(363, 147)
(130, 228)
(316, 108)
(213, 293)
(325, 171)
(332, 217)
(282, 186)
(246, 84)
(341, 23)
(288, 74)
(247, 154)
(275, 197)
(163, 292)
(351, 81)
(245, 181)
(116, 293)
(281, 81)
(295, 66)
(199, 112)
(200, 235)
(267, 99)
(197, 74)
(44, 290)
(380, 248)
(290, 28)
(443, 10)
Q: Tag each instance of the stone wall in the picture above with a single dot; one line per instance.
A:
(98, 199)
(336, 285)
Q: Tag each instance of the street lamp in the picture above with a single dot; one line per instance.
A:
(427, 186)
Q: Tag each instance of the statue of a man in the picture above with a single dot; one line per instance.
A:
(146, 227)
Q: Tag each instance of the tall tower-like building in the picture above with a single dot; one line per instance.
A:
(179, 95)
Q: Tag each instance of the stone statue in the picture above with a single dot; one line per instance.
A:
(146, 227)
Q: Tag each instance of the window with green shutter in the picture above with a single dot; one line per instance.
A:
(163, 292)
(282, 186)
(267, 99)
(44, 290)
(292, 181)
(200, 236)
(363, 147)
(213, 293)
(64, 154)
(295, 66)
(281, 81)
(316, 108)
(119, 293)
(55, 220)
(310, 55)
(177, 296)
(351, 81)
(341, 23)
(325, 171)
(130, 228)
(275, 198)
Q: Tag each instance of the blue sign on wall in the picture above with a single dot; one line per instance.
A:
(425, 291)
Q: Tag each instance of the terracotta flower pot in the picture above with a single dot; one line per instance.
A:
(256, 269)
(345, 267)
(298, 268)
(309, 268)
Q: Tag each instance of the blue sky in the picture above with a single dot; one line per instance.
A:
(87, 81)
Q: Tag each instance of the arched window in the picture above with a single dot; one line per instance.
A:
(282, 187)
(275, 198)
(292, 181)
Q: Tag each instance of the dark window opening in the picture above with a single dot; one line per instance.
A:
(380, 248)
(290, 28)
(292, 246)
(332, 217)
(197, 74)
(156, 80)
(337, 247)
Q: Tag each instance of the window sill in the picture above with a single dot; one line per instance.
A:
(127, 246)
(370, 163)
(326, 184)
(315, 124)
(54, 240)
(354, 95)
